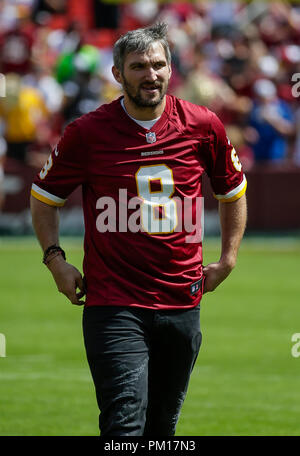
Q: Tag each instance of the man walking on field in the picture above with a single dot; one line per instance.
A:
(143, 274)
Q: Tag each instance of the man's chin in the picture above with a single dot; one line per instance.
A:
(147, 102)
(150, 103)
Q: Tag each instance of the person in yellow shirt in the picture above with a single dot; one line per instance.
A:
(22, 110)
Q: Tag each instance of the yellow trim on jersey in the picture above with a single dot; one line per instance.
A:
(45, 200)
(46, 197)
(241, 189)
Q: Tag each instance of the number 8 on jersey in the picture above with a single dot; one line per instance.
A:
(158, 210)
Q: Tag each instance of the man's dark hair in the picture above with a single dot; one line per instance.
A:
(139, 41)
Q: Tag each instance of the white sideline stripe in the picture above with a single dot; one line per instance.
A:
(235, 191)
(2, 346)
(51, 197)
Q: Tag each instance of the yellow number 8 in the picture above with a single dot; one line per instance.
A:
(235, 160)
(152, 200)
(47, 167)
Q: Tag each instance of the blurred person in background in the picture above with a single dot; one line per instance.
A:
(207, 88)
(204, 87)
(49, 125)
(77, 73)
(45, 83)
(273, 121)
(280, 24)
(16, 44)
(297, 145)
(82, 94)
(21, 111)
(3, 148)
(235, 65)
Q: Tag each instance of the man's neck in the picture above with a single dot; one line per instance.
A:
(147, 113)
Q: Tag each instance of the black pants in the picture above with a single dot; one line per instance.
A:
(141, 361)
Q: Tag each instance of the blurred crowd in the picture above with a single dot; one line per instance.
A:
(241, 59)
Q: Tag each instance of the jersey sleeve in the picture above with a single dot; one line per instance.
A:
(225, 170)
(64, 170)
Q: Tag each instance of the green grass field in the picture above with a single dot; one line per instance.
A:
(245, 381)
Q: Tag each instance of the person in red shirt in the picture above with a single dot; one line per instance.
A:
(140, 162)
(16, 47)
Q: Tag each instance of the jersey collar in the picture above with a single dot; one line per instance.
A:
(157, 127)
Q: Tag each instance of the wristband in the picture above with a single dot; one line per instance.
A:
(52, 249)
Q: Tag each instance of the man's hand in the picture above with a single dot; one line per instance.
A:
(67, 279)
(233, 216)
(214, 274)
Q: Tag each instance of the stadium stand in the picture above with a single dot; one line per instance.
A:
(240, 59)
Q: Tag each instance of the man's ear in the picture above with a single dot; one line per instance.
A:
(117, 74)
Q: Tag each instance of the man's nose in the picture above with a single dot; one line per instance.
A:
(151, 74)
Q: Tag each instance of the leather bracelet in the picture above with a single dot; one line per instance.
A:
(52, 256)
(52, 249)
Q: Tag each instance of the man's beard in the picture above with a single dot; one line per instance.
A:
(137, 97)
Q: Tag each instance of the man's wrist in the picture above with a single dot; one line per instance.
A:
(51, 252)
(228, 262)
(54, 260)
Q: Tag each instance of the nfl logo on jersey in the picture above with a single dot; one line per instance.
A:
(195, 287)
(151, 137)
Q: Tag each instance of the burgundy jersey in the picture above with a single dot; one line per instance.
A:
(142, 200)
